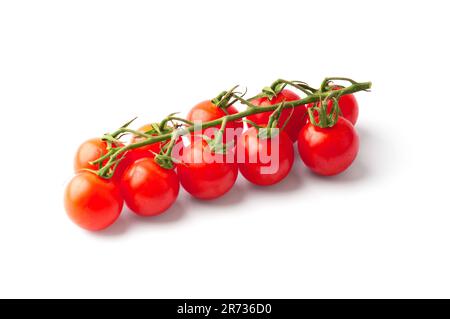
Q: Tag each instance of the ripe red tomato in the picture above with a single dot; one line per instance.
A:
(265, 161)
(89, 151)
(207, 111)
(348, 105)
(92, 202)
(94, 148)
(149, 189)
(128, 159)
(328, 151)
(297, 116)
(133, 155)
(206, 175)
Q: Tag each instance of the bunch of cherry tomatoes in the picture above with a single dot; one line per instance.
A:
(146, 175)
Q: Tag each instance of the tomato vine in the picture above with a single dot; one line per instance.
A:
(162, 132)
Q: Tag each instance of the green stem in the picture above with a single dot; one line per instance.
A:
(255, 110)
(305, 88)
(164, 122)
(326, 81)
(127, 130)
(223, 98)
(251, 110)
(172, 142)
(273, 118)
(219, 136)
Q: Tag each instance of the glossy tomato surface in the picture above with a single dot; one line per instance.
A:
(128, 159)
(265, 161)
(296, 117)
(207, 111)
(206, 175)
(89, 151)
(145, 151)
(328, 151)
(92, 202)
(149, 189)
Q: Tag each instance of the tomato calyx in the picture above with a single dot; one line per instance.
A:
(224, 99)
(328, 84)
(270, 92)
(164, 158)
(272, 129)
(279, 85)
(176, 122)
(319, 115)
(165, 161)
(216, 144)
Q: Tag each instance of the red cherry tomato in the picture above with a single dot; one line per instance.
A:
(206, 175)
(265, 161)
(348, 105)
(92, 202)
(133, 155)
(89, 151)
(328, 151)
(128, 159)
(207, 111)
(149, 189)
(297, 116)
(95, 148)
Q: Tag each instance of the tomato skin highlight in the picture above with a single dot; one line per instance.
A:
(253, 148)
(129, 159)
(149, 189)
(207, 111)
(89, 151)
(328, 151)
(297, 116)
(201, 176)
(92, 202)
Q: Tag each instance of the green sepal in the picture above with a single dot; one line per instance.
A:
(268, 92)
(164, 161)
(128, 123)
(252, 123)
(220, 148)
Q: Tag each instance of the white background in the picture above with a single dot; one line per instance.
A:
(71, 70)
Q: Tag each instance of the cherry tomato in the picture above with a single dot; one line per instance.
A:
(328, 151)
(128, 159)
(92, 202)
(297, 116)
(348, 105)
(94, 148)
(149, 189)
(206, 175)
(207, 111)
(89, 151)
(265, 161)
(133, 155)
